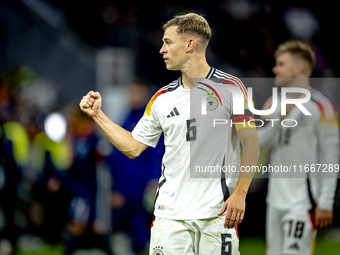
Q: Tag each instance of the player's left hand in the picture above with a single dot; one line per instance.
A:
(235, 207)
(323, 219)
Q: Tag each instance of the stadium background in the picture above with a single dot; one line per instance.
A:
(53, 52)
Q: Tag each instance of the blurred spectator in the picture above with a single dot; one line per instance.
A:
(89, 176)
(14, 158)
(135, 181)
(51, 159)
(14, 151)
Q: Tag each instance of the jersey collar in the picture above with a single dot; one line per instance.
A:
(211, 72)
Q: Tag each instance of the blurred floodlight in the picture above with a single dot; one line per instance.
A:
(55, 127)
(301, 22)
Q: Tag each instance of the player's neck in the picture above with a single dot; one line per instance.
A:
(299, 82)
(198, 68)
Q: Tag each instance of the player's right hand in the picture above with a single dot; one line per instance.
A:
(91, 103)
(323, 219)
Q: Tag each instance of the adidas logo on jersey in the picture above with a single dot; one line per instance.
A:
(173, 113)
(294, 246)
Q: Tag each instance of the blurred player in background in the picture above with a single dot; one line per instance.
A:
(189, 211)
(297, 207)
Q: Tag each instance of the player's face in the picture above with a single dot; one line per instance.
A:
(285, 69)
(173, 49)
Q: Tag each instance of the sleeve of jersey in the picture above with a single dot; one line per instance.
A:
(328, 136)
(268, 134)
(245, 120)
(148, 129)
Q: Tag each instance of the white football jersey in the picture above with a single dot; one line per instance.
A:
(187, 190)
(315, 140)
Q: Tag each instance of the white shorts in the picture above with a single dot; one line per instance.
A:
(289, 232)
(193, 237)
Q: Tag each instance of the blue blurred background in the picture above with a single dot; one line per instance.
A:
(75, 193)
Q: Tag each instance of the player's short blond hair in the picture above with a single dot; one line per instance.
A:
(191, 24)
(298, 49)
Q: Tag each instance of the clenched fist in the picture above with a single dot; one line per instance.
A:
(91, 103)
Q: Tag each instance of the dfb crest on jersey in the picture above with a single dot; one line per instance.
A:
(158, 250)
(212, 103)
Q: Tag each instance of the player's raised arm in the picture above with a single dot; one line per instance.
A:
(119, 137)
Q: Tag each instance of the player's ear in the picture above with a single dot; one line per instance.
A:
(300, 67)
(191, 44)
